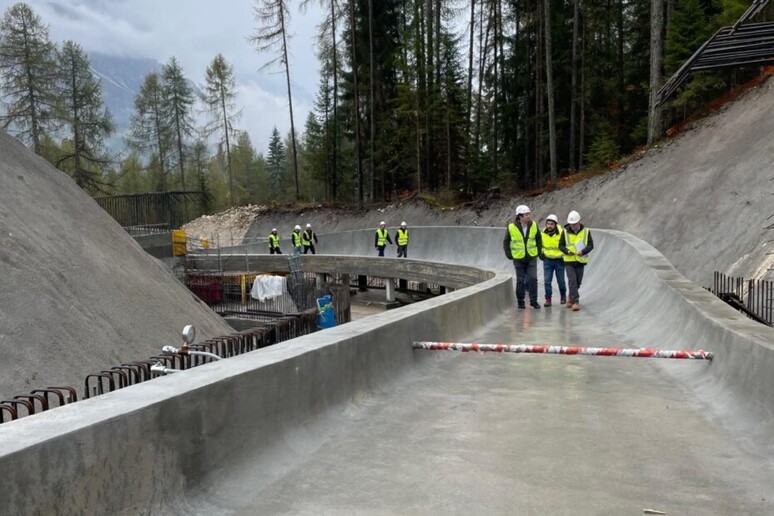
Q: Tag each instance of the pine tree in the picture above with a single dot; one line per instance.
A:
(273, 17)
(149, 131)
(27, 75)
(85, 118)
(219, 96)
(178, 104)
(276, 165)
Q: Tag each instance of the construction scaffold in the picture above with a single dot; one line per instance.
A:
(565, 350)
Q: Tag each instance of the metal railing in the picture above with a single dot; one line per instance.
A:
(754, 298)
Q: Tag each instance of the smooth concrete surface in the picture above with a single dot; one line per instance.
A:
(351, 420)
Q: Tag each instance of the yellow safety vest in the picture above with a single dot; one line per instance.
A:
(307, 237)
(551, 244)
(273, 241)
(517, 241)
(381, 240)
(403, 237)
(570, 240)
(296, 239)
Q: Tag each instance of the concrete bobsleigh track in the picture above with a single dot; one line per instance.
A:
(353, 420)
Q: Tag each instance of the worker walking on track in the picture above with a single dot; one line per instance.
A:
(523, 245)
(309, 238)
(296, 239)
(381, 238)
(575, 244)
(553, 259)
(274, 247)
(402, 238)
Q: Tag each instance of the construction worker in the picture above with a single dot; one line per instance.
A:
(401, 238)
(274, 247)
(553, 259)
(309, 238)
(523, 245)
(296, 238)
(381, 238)
(576, 244)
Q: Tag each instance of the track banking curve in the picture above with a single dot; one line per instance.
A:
(352, 420)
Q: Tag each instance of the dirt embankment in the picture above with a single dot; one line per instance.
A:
(702, 199)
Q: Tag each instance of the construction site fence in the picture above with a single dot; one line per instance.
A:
(754, 298)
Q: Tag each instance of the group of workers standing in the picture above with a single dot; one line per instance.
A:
(382, 238)
(301, 240)
(563, 250)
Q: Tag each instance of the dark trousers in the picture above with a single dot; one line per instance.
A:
(308, 248)
(403, 251)
(380, 248)
(574, 279)
(551, 266)
(274, 250)
(526, 277)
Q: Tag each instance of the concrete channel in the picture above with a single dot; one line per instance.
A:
(351, 420)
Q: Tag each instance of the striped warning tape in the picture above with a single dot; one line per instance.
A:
(566, 350)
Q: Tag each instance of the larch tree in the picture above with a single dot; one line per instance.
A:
(271, 35)
(220, 98)
(85, 118)
(149, 125)
(28, 75)
(178, 105)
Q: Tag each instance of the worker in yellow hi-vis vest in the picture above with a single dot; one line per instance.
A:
(274, 247)
(553, 259)
(523, 244)
(401, 239)
(296, 239)
(576, 244)
(309, 238)
(381, 237)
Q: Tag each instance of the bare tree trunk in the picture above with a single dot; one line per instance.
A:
(468, 120)
(430, 98)
(582, 135)
(574, 82)
(358, 143)
(656, 55)
(372, 110)
(290, 102)
(226, 130)
(335, 171)
(76, 125)
(482, 50)
(496, 80)
(550, 92)
(35, 119)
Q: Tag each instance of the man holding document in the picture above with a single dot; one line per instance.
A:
(575, 245)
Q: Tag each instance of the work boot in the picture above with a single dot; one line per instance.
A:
(535, 305)
(521, 305)
(563, 300)
(548, 302)
(569, 303)
(575, 307)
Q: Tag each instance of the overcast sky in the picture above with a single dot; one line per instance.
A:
(195, 31)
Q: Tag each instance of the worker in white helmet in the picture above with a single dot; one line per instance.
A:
(296, 238)
(523, 244)
(402, 238)
(274, 247)
(553, 259)
(309, 238)
(381, 238)
(575, 244)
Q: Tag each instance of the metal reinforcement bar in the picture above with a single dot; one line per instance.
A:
(566, 350)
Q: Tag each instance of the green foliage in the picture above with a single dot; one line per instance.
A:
(28, 75)
(603, 150)
(177, 110)
(276, 166)
(150, 133)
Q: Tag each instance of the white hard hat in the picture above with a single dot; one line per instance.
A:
(403, 223)
(553, 218)
(297, 227)
(381, 223)
(309, 225)
(522, 209)
(273, 230)
(573, 217)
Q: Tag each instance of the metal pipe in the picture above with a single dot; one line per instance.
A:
(159, 368)
(565, 350)
(184, 351)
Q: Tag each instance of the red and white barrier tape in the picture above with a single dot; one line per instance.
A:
(566, 350)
